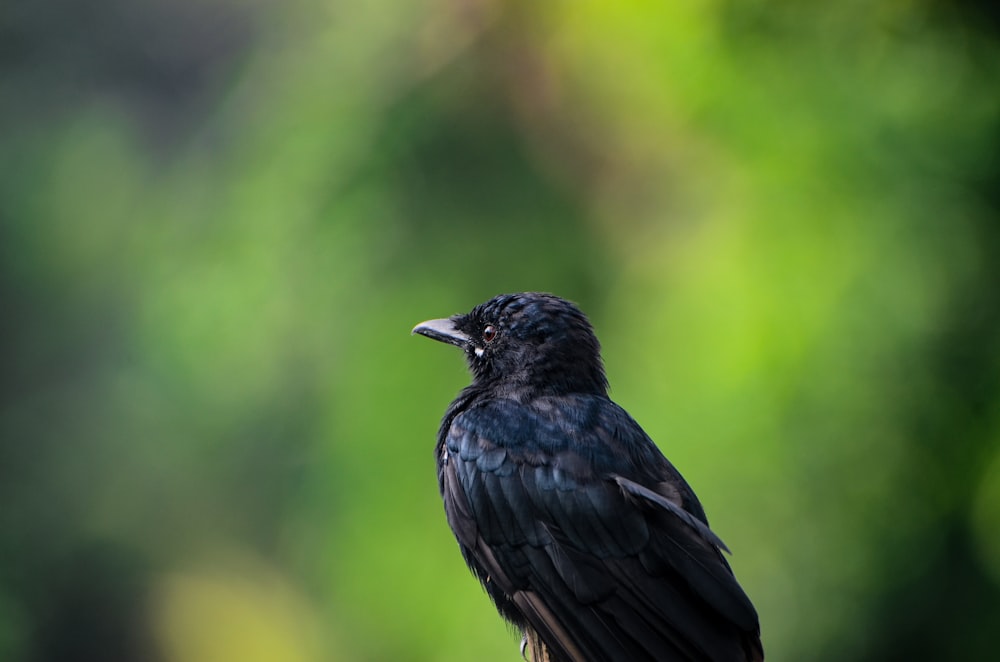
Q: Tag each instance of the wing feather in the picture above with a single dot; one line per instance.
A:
(574, 537)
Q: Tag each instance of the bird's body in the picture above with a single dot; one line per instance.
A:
(578, 527)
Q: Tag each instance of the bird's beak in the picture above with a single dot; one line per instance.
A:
(443, 330)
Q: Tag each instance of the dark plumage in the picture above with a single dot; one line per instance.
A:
(583, 534)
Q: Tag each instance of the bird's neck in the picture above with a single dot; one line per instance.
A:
(526, 390)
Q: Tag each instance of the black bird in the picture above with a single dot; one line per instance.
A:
(584, 535)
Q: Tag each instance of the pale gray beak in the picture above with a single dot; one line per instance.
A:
(443, 330)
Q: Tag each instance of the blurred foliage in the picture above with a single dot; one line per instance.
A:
(219, 221)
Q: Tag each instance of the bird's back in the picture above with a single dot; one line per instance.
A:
(582, 532)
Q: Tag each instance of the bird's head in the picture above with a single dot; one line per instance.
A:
(526, 343)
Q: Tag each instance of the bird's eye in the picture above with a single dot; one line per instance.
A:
(490, 333)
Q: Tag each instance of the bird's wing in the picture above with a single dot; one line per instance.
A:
(572, 538)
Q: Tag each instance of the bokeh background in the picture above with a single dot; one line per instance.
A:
(219, 221)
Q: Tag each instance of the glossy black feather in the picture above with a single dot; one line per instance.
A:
(575, 523)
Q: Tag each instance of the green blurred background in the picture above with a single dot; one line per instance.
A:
(219, 221)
